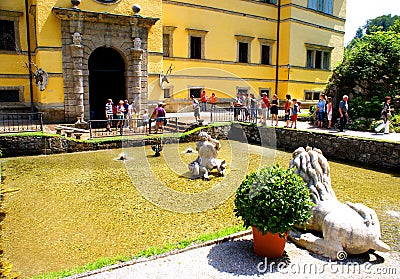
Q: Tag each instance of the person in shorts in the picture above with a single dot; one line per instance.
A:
(295, 112)
(109, 114)
(196, 108)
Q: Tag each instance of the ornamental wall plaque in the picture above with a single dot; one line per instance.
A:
(107, 1)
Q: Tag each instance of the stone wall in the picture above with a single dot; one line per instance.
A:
(348, 149)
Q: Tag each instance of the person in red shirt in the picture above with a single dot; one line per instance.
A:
(203, 98)
(264, 108)
(213, 101)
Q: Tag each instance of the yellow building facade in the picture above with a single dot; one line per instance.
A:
(66, 58)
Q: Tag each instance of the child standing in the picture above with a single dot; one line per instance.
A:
(295, 112)
(146, 120)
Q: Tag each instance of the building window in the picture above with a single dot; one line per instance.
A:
(166, 45)
(195, 47)
(265, 54)
(244, 47)
(325, 6)
(9, 95)
(318, 59)
(168, 32)
(243, 52)
(195, 92)
(196, 43)
(318, 56)
(312, 95)
(167, 92)
(7, 35)
(242, 90)
(266, 91)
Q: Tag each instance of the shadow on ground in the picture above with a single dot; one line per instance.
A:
(238, 258)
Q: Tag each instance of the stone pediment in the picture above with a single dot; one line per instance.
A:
(75, 14)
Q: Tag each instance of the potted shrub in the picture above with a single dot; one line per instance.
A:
(272, 200)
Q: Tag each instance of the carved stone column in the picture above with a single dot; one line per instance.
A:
(137, 53)
(77, 75)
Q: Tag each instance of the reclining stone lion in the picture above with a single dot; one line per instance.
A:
(352, 227)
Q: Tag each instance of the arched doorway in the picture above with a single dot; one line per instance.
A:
(106, 80)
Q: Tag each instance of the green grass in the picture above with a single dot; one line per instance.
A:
(151, 251)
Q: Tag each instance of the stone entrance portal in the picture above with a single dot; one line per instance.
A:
(106, 80)
(83, 34)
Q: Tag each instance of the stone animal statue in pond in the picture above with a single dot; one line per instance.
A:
(352, 227)
(207, 148)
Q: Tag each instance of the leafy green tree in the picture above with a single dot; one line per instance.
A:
(380, 23)
(396, 26)
(370, 70)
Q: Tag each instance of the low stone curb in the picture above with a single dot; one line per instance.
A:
(174, 252)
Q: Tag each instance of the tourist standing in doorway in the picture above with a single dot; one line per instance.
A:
(203, 97)
(321, 110)
(126, 114)
(196, 108)
(343, 108)
(109, 114)
(287, 106)
(274, 110)
(120, 114)
(329, 112)
(386, 113)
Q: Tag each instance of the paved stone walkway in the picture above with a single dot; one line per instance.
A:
(233, 257)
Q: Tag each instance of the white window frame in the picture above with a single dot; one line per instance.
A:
(325, 50)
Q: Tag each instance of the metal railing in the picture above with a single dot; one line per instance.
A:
(240, 114)
(21, 122)
(129, 127)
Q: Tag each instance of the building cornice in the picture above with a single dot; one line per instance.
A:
(76, 14)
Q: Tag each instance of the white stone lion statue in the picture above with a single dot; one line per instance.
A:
(352, 227)
(207, 148)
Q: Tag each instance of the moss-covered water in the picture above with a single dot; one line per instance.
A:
(72, 209)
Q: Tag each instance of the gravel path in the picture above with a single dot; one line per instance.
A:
(233, 257)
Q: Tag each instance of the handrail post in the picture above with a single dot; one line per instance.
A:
(90, 129)
(41, 121)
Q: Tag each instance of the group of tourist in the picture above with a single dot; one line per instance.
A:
(124, 115)
(325, 108)
(245, 107)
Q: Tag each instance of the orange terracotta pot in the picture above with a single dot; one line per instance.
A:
(268, 245)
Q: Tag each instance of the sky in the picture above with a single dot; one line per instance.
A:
(359, 11)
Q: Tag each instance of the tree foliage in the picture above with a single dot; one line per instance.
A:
(380, 23)
(370, 70)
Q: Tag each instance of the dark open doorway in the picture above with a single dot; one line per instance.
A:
(106, 80)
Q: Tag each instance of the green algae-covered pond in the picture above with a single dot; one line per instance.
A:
(72, 209)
